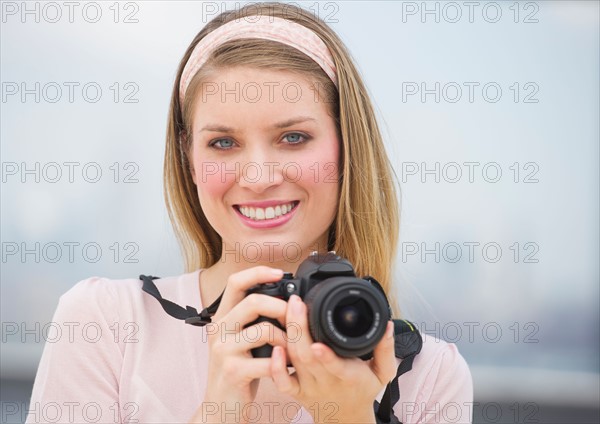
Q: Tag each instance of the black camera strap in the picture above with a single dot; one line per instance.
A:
(189, 314)
(407, 344)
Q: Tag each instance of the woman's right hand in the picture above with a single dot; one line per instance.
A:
(233, 374)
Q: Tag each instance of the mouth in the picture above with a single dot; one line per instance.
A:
(266, 213)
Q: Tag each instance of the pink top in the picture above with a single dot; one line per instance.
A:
(113, 355)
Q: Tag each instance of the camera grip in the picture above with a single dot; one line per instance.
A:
(266, 350)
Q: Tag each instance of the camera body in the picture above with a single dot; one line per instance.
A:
(347, 313)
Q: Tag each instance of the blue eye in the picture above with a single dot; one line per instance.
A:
(222, 143)
(296, 138)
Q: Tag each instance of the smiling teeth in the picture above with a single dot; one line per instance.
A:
(260, 214)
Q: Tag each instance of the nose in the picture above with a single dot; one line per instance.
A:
(260, 171)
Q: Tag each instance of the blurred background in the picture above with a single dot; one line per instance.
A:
(490, 112)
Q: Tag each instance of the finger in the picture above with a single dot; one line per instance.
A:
(331, 362)
(284, 382)
(308, 368)
(299, 348)
(261, 334)
(255, 305)
(246, 369)
(239, 282)
(384, 360)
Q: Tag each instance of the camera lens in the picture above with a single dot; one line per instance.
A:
(352, 316)
(348, 314)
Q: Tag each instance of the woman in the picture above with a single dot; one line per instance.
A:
(273, 151)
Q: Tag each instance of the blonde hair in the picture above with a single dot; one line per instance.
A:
(365, 229)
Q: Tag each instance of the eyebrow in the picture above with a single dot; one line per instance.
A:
(278, 125)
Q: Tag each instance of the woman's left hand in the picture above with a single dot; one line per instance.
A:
(331, 388)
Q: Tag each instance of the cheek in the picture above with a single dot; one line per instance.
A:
(210, 179)
(319, 169)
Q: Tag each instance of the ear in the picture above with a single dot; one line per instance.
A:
(185, 150)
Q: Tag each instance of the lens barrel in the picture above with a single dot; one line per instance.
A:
(348, 314)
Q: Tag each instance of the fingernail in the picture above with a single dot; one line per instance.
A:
(296, 304)
(277, 272)
(317, 352)
(389, 333)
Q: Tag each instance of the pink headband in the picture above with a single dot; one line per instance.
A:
(265, 27)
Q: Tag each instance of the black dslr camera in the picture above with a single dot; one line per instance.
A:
(347, 313)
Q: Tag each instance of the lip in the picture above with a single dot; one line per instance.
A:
(267, 223)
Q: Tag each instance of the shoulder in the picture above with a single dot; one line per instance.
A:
(440, 378)
(118, 297)
(441, 361)
(90, 297)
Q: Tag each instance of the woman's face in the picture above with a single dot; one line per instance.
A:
(265, 156)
